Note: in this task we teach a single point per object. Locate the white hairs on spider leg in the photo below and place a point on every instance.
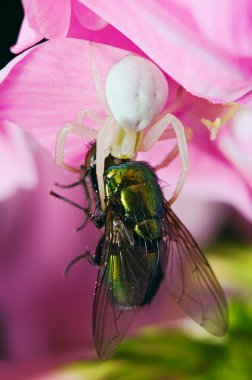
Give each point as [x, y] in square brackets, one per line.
[136, 92]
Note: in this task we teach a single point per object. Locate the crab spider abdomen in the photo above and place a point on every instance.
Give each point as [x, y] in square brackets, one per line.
[136, 92]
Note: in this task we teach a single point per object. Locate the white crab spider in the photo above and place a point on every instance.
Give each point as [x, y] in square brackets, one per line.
[136, 92]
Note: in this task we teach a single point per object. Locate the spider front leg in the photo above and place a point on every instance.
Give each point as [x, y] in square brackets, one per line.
[76, 129]
[91, 115]
[97, 79]
[182, 135]
[104, 143]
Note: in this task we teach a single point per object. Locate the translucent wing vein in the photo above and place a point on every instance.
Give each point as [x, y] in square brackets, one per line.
[190, 279]
[120, 289]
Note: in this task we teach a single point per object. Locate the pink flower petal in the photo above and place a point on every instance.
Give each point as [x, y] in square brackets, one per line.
[27, 37]
[86, 17]
[224, 24]
[166, 32]
[65, 18]
[17, 167]
[107, 35]
[235, 143]
[213, 178]
[203, 219]
[44, 314]
[49, 19]
[246, 100]
[84, 24]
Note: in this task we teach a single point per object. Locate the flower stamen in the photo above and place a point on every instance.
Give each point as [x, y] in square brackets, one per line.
[214, 126]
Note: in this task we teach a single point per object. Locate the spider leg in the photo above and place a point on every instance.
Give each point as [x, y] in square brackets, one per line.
[97, 80]
[91, 115]
[104, 142]
[178, 102]
[175, 151]
[154, 134]
[79, 130]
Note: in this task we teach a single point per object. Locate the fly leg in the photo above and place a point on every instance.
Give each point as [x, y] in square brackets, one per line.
[94, 259]
[88, 196]
[86, 255]
[82, 181]
[68, 186]
[98, 220]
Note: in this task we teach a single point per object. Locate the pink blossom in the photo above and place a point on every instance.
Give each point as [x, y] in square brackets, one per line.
[17, 168]
[235, 144]
[207, 52]
[44, 19]
[42, 314]
[49, 84]
[45, 87]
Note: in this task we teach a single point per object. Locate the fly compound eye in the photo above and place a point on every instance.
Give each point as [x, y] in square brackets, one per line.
[136, 92]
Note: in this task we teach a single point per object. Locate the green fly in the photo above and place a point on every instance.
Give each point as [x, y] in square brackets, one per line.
[143, 244]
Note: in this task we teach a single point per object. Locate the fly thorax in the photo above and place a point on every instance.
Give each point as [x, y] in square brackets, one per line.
[125, 143]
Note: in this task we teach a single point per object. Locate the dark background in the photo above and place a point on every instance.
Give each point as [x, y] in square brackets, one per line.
[11, 16]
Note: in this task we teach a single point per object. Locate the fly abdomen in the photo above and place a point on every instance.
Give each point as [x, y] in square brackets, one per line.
[155, 277]
[149, 229]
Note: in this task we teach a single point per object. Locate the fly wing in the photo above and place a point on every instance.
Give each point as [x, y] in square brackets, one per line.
[190, 279]
[120, 288]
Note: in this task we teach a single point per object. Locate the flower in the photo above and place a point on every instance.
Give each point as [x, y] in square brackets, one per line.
[17, 168]
[44, 19]
[235, 143]
[42, 314]
[203, 46]
[45, 87]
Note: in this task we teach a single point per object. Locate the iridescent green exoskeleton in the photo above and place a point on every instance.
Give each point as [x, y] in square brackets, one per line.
[143, 244]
